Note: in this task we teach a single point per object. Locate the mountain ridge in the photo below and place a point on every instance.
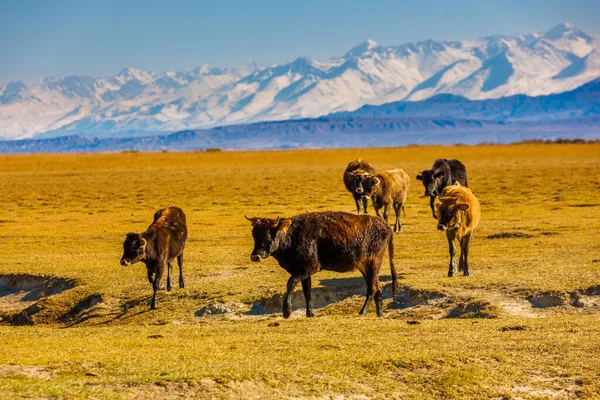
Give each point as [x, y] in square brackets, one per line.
[137, 102]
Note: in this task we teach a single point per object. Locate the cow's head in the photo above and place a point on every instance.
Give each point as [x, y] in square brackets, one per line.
[450, 212]
[433, 181]
[363, 182]
[267, 234]
[370, 184]
[134, 249]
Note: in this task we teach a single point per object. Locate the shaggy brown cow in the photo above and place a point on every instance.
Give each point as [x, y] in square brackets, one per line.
[157, 246]
[386, 188]
[458, 214]
[334, 241]
[352, 177]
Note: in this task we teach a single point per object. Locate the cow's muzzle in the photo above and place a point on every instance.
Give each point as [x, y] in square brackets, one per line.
[359, 190]
[442, 227]
[125, 262]
[255, 257]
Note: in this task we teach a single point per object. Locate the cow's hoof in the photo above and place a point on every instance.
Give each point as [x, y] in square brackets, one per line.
[153, 306]
[181, 284]
[310, 313]
[169, 288]
[466, 273]
[450, 274]
[287, 312]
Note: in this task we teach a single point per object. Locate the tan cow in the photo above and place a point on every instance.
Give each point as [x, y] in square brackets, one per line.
[386, 189]
[458, 214]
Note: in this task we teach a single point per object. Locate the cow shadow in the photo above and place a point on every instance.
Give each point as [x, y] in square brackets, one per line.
[325, 293]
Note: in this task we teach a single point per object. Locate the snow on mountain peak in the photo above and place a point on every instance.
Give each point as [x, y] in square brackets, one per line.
[365, 47]
[568, 31]
[128, 74]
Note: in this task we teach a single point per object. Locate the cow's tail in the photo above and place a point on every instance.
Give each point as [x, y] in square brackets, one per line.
[393, 268]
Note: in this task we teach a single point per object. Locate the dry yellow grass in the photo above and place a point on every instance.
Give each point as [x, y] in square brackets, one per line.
[66, 216]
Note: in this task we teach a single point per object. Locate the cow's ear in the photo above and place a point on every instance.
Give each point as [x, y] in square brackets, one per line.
[284, 225]
[457, 183]
[420, 176]
[253, 220]
[439, 174]
[376, 181]
[462, 206]
[275, 224]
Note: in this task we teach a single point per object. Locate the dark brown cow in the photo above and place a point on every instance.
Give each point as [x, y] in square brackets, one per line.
[443, 173]
[386, 188]
[351, 177]
[458, 213]
[157, 246]
[334, 241]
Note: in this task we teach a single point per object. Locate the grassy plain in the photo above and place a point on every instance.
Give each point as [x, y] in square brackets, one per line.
[524, 325]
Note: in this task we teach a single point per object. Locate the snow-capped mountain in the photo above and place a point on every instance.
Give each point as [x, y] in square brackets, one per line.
[136, 102]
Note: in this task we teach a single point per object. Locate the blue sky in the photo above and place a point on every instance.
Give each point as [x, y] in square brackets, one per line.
[99, 38]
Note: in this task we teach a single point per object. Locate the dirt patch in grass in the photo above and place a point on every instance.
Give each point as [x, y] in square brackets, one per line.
[19, 291]
[478, 308]
[222, 308]
[549, 299]
[510, 235]
[26, 371]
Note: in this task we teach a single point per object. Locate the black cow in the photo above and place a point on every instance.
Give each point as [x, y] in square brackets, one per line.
[334, 241]
[443, 173]
[156, 247]
[352, 177]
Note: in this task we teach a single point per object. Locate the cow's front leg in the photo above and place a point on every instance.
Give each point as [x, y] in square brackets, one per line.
[287, 298]
[464, 253]
[306, 286]
[452, 251]
[386, 212]
[377, 210]
[431, 204]
[169, 272]
[159, 271]
[150, 275]
[365, 200]
[180, 262]
[357, 201]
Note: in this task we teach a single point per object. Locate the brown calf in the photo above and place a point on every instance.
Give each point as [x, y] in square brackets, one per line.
[458, 214]
[386, 188]
[157, 246]
[352, 176]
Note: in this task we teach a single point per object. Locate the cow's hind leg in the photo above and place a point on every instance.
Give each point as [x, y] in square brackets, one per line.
[306, 286]
[398, 224]
[464, 253]
[180, 263]
[365, 200]
[452, 251]
[169, 273]
[373, 288]
[431, 205]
